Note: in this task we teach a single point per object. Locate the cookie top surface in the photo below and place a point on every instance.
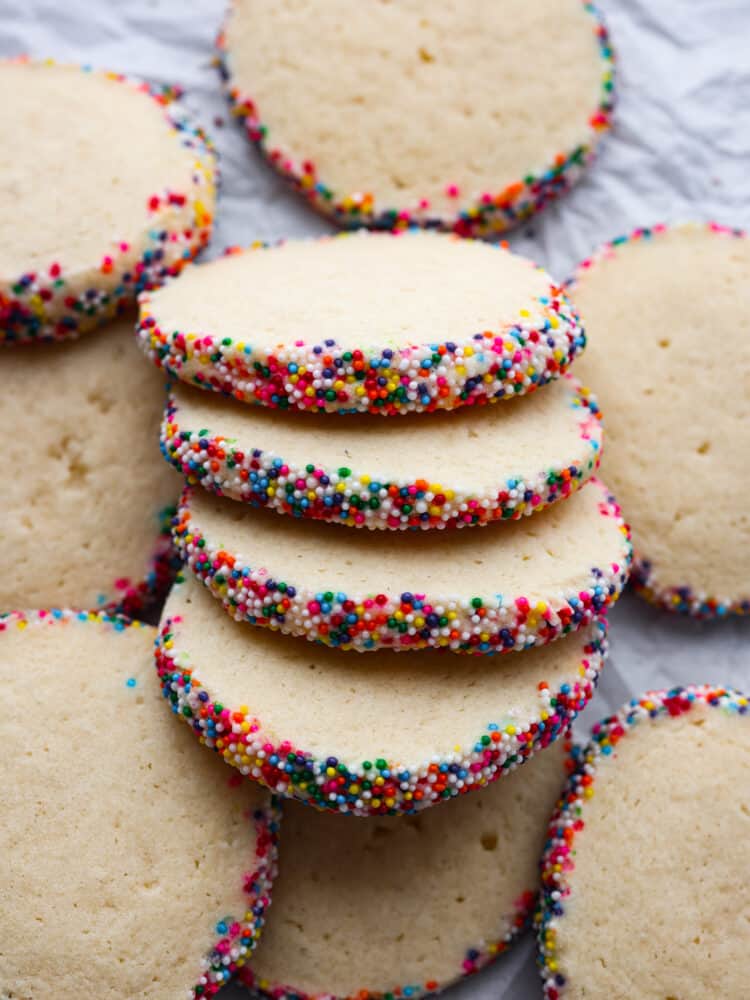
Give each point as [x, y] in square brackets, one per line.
[372, 730]
[371, 321]
[114, 818]
[451, 469]
[647, 798]
[139, 199]
[85, 502]
[389, 904]
[678, 412]
[494, 589]
[384, 114]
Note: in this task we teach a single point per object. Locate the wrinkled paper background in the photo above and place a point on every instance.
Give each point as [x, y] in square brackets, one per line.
[680, 150]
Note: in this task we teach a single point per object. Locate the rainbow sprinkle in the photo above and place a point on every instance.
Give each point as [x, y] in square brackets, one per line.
[358, 499]
[134, 598]
[558, 860]
[479, 214]
[237, 938]
[378, 786]
[56, 303]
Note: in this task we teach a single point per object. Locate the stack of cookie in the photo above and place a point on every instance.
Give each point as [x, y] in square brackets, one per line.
[372, 720]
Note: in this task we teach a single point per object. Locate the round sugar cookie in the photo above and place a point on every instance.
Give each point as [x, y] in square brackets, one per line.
[369, 322]
[108, 189]
[134, 865]
[678, 429]
[385, 115]
[393, 735]
[449, 470]
[403, 906]
[644, 876]
[499, 588]
[87, 498]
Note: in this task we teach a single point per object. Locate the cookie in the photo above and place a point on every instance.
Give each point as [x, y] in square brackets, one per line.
[109, 189]
[403, 906]
[678, 427]
[371, 322]
[86, 498]
[157, 859]
[389, 734]
[502, 588]
[644, 875]
[449, 471]
[386, 115]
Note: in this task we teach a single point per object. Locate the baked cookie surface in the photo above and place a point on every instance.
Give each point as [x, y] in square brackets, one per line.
[368, 322]
[678, 427]
[86, 509]
[381, 734]
[405, 905]
[495, 589]
[387, 114]
[134, 865]
[644, 876]
[449, 470]
[108, 189]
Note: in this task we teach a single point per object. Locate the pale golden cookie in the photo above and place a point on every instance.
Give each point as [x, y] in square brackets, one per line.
[134, 863]
[386, 733]
[107, 189]
[464, 114]
[644, 877]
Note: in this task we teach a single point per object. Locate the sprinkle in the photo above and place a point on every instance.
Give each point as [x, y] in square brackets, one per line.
[135, 598]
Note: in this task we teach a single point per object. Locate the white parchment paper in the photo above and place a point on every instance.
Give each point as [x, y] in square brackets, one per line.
[680, 150]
